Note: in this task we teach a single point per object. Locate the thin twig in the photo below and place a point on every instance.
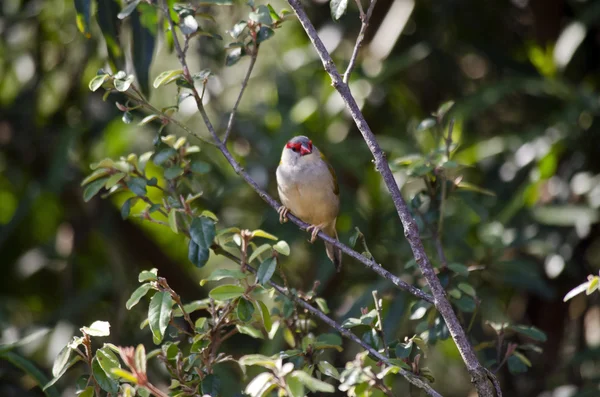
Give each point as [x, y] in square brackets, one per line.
[412, 378]
[380, 321]
[239, 98]
[447, 144]
[361, 36]
[478, 373]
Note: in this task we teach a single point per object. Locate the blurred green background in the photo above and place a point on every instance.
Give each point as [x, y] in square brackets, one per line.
[524, 75]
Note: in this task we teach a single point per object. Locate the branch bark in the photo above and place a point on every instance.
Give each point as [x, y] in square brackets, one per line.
[361, 36]
[478, 373]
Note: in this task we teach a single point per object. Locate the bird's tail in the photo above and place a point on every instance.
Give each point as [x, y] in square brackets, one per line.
[334, 253]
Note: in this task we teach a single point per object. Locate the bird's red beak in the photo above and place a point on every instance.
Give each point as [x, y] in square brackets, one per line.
[306, 148]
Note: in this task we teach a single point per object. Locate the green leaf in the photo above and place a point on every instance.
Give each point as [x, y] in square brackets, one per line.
[234, 56]
[142, 48]
[202, 75]
[465, 303]
[282, 247]
[123, 85]
[459, 268]
[107, 360]
[249, 330]
[167, 77]
[322, 303]
[238, 29]
[261, 15]
[148, 275]
[163, 156]
[202, 231]
[99, 173]
[200, 167]
[106, 383]
[403, 350]
[266, 316]
[263, 234]
[114, 179]
[313, 384]
[529, 331]
[140, 358]
[274, 16]
[444, 108]
[211, 385]
[592, 286]
[138, 294]
[126, 375]
[126, 208]
[264, 34]
[87, 392]
[258, 359]
[473, 188]
[426, 124]
[127, 117]
[296, 388]
[61, 361]
[137, 186]
[327, 369]
[93, 188]
[61, 373]
[128, 9]
[98, 328]
[467, 289]
[107, 17]
[173, 172]
[83, 8]
[338, 8]
[197, 255]
[265, 270]
[516, 366]
[351, 323]
[220, 274]
[97, 81]
[159, 315]
[258, 251]
[226, 292]
[245, 310]
[173, 221]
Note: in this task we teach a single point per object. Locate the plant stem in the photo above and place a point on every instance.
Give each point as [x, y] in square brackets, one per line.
[361, 36]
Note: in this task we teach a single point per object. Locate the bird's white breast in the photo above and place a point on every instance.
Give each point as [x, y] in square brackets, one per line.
[308, 191]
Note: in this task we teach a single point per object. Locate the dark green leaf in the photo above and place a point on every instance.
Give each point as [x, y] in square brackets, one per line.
[465, 304]
[338, 8]
[266, 270]
[173, 172]
[128, 9]
[264, 34]
[127, 117]
[245, 310]
[403, 349]
[516, 366]
[142, 49]
[93, 188]
[529, 331]
[138, 294]
[234, 56]
[107, 384]
[126, 208]
[211, 385]
[200, 167]
[164, 155]
[159, 315]
[202, 232]
[197, 255]
[107, 17]
[459, 269]
[83, 8]
[137, 186]
[202, 75]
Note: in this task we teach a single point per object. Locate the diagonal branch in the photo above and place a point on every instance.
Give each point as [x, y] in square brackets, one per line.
[239, 98]
[397, 281]
[411, 377]
[479, 376]
[361, 36]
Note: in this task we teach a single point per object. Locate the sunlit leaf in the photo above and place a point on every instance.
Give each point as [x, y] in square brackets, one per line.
[159, 314]
[226, 292]
[338, 8]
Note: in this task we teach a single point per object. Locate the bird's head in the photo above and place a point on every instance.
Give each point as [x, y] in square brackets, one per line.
[299, 150]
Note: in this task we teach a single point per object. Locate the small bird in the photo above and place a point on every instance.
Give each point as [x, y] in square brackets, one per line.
[308, 188]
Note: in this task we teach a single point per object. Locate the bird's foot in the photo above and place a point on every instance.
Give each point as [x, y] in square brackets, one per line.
[314, 230]
[283, 213]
